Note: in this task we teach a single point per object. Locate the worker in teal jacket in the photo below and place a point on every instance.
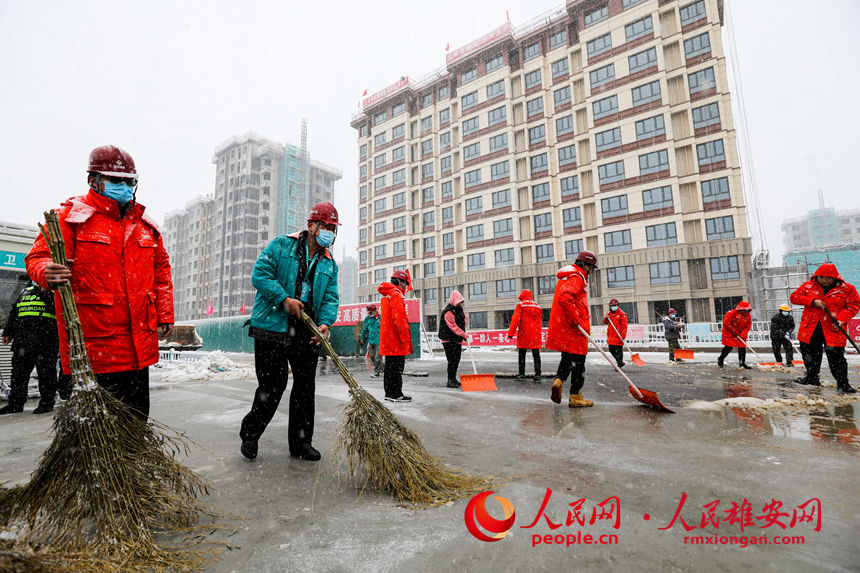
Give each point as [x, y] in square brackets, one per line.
[293, 273]
[370, 335]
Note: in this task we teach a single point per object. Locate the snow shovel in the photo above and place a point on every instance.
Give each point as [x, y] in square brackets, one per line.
[633, 357]
[684, 354]
[796, 362]
[476, 382]
[757, 355]
[648, 397]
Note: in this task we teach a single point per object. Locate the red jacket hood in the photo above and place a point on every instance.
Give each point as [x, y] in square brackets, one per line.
[388, 289]
[526, 295]
[455, 298]
[743, 305]
[565, 272]
[827, 270]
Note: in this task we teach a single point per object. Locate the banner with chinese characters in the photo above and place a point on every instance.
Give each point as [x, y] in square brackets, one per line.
[853, 329]
[350, 314]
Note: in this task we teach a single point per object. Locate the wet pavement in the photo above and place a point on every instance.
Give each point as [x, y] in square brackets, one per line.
[299, 517]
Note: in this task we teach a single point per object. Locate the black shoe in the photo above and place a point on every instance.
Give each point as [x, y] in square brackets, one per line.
[375, 375]
[847, 389]
[306, 452]
[745, 366]
[453, 384]
[249, 449]
[43, 408]
[536, 379]
[521, 377]
[10, 410]
[806, 381]
[402, 398]
[622, 365]
[720, 362]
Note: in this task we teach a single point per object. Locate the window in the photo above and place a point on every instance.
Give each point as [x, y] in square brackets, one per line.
[534, 107]
[617, 241]
[651, 127]
[533, 79]
[398, 176]
[398, 200]
[472, 151]
[498, 143]
[379, 183]
[654, 162]
[665, 273]
[532, 51]
[561, 96]
[558, 39]
[472, 178]
[560, 68]
[362, 172]
[546, 284]
[495, 62]
[474, 233]
[363, 151]
[429, 270]
[502, 228]
[504, 257]
[362, 214]
[447, 241]
[693, 12]
[362, 192]
[399, 248]
[659, 198]
[715, 190]
[426, 171]
[379, 252]
[445, 140]
[362, 237]
[570, 185]
[500, 170]
[478, 319]
[697, 46]
[501, 198]
[427, 123]
[646, 93]
[445, 164]
[701, 81]
[567, 155]
[468, 75]
[476, 290]
[540, 192]
[471, 125]
[614, 206]
[426, 147]
[537, 134]
[379, 229]
[506, 287]
[429, 244]
[625, 4]
[638, 28]
[538, 163]
[468, 101]
[379, 206]
[543, 222]
[425, 100]
[398, 154]
[363, 131]
[379, 118]
[599, 45]
[430, 296]
[642, 60]
[572, 248]
[498, 115]
[710, 152]
[447, 214]
[445, 116]
[662, 234]
[544, 253]
[608, 139]
[618, 277]
[427, 195]
[362, 255]
[447, 189]
[724, 268]
[474, 205]
[706, 115]
[720, 228]
[443, 92]
[398, 131]
[398, 109]
[399, 224]
[379, 275]
[605, 106]
[610, 172]
[475, 262]
[572, 217]
[496, 89]
[564, 125]
[596, 16]
[602, 75]
[448, 269]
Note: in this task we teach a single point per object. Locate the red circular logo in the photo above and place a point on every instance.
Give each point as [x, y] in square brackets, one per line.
[477, 515]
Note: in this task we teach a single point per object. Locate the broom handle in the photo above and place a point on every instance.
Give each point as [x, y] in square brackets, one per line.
[341, 367]
[608, 359]
[748, 347]
[621, 337]
[842, 330]
[471, 356]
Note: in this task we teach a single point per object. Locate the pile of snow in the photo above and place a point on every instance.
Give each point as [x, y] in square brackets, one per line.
[800, 402]
[212, 366]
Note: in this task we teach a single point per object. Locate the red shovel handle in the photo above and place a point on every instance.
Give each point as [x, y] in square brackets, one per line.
[608, 359]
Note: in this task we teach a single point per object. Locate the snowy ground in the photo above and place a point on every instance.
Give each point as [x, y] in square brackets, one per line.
[737, 435]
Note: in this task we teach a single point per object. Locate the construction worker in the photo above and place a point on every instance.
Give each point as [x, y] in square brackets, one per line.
[672, 329]
[828, 304]
[370, 336]
[452, 333]
[32, 330]
[294, 273]
[736, 325]
[781, 327]
[120, 276]
[569, 312]
[615, 336]
[395, 339]
[526, 326]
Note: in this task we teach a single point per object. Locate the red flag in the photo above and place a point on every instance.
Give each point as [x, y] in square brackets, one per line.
[409, 278]
[365, 93]
[447, 46]
[507, 16]
[242, 310]
[210, 310]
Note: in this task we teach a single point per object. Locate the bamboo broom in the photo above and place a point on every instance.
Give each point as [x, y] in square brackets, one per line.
[391, 457]
[109, 482]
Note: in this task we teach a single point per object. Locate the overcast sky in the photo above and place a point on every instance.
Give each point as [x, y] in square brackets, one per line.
[168, 81]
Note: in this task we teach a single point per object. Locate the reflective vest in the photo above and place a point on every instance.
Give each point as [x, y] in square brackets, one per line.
[31, 304]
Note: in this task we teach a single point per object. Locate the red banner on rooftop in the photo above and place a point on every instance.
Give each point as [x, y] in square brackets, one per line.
[474, 45]
[372, 99]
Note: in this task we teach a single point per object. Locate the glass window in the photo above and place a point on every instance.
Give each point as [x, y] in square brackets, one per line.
[362, 256]
[447, 214]
[710, 152]
[445, 164]
[472, 151]
[398, 176]
[398, 109]
[608, 139]
[362, 237]
[499, 170]
[362, 171]
[533, 79]
[363, 131]
[447, 189]
[572, 248]
[379, 252]
[474, 233]
[426, 171]
[502, 228]
[611, 172]
[646, 93]
[724, 268]
[570, 185]
[701, 81]
[639, 28]
[379, 206]
[398, 131]
[426, 146]
[379, 118]
[478, 319]
[471, 125]
[605, 106]
[474, 205]
[540, 192]
[715, 190]
[379, 275]
[534, 107]
[567, 155]
[596, 16]
[379, 139]
[504, 257]
[398, 153]
[558, 39]
[720, 228]
[537, 134]
[546, 284]
[468, 101]
[618, 277]
[506, 287]
[544, 253]
[706, 115]
[363, 151]
[443, 92]
[496, 89]
[468, 75]
[495, 62]
[501, 198]
[651, 127]
[498, 115]
[427, 123]
[614, 206]
[498, 142]
[362, 192]
[561, 96]
[665, 273]
[399, 248]
[531, 52]
[642, 60]
[560, 68]
[430, 295]
[379, 183]
[697, 45]
[445, 140]
[399, 224]
[654, 162]
[602, 75]
[379, 229]
[543, 222]
[448, 269]
[429, 244]
[539, 163]
[659, 198]
[447, 241]
[693, 12]
[662, 234]
[477, 291]
[398, 199]
[599, 45]
[445, 116]
[472, 178]
[475, 261]
[572, 217]
[427, 195]
[564, 125]
[617, 241]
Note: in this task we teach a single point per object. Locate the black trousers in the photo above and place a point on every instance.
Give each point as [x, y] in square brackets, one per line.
[272, 361]
[779, 343]
[742, 353]
[393, 377]
[522, 360]
[617, 353]
[572, 365]
[812, 355]
[130, 387]
[453, 352]
[24, 359]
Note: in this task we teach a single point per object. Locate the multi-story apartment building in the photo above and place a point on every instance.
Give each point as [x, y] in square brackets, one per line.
[606, 126]
[819, 228]
[262, 189]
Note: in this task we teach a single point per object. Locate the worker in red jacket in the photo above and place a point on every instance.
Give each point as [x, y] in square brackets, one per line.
[736, 326]
[120, 276]
[615, 337]
[825, 291]
[526, 326]
[569, 311]
[395, 339]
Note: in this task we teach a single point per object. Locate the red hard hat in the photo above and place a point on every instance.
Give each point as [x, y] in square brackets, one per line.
[614, 301]
[401, 275]
[324, 212]
[671, 310]
[112, 161]
[587, 257]
[371, 307]
[744, 305]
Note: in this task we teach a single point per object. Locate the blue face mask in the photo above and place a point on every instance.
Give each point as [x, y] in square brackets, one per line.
[122, 193]
[784, 313]
[613, 308]
[325, 238]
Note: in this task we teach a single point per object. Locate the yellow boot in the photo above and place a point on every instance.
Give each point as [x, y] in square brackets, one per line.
[577, 401]
[555, 394]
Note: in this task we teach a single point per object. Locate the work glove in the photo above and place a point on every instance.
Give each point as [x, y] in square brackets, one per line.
[787, 336]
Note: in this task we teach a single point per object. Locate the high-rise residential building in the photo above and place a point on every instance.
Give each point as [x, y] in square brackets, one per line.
[820, 228]
[347, 279]
[604, 126]
[262, 189]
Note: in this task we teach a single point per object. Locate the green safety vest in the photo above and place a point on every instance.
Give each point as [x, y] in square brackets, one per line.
[33, 305]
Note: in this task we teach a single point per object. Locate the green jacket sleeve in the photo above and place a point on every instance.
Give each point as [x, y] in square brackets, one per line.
[265, 274]
[330, 300]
